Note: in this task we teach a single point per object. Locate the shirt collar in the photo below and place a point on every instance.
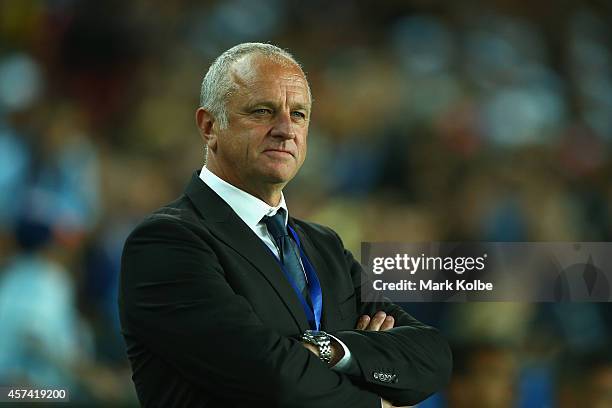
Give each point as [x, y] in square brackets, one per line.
[249, 208]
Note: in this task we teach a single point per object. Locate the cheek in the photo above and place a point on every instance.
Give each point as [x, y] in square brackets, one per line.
[303, 142]
[303, 148]
[254, 137]
[238, 145]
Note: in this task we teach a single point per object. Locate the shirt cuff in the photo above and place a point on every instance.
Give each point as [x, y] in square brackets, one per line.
[347, 363]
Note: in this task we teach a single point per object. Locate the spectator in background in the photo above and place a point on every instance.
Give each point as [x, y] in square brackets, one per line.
[41, 334]
[485, 375]
[585, 380]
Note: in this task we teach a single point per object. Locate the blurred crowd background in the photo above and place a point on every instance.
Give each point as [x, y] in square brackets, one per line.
[432, 121]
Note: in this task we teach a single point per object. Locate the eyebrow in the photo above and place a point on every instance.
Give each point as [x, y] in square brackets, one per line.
[270, 104]
[301, 106]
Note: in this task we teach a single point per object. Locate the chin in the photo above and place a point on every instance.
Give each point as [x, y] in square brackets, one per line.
[278, 179]
[278, 176]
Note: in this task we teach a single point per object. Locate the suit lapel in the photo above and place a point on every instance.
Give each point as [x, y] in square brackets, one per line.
[229, 228]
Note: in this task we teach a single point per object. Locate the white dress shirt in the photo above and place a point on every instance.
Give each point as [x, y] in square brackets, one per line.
[251, 210]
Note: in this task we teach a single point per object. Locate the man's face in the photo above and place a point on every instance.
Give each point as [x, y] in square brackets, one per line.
[269, 112]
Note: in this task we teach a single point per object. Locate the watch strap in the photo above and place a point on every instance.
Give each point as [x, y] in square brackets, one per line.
[323, 342]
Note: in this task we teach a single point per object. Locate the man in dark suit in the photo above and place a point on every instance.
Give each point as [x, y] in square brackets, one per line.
[226, 300]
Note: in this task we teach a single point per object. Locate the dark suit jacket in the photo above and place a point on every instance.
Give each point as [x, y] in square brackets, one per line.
[210, 321]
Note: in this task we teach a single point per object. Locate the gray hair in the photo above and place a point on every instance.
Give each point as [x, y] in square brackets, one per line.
[217, 84]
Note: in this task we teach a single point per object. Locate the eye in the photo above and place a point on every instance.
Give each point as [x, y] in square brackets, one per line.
[262, 111]
[298, 114]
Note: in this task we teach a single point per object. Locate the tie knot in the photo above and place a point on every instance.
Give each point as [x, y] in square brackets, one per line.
[276, 224]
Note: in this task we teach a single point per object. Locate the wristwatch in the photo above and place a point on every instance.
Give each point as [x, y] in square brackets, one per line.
[322, 341]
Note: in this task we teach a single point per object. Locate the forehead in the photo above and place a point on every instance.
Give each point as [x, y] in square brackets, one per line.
[261, 77]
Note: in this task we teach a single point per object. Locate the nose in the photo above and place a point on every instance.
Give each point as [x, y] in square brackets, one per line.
[283, 126]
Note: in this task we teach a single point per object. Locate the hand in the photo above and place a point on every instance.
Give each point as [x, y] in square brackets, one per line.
[380, 322]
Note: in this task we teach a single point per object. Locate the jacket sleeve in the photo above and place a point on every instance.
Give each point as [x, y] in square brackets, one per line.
[404, 365]
[175, 300]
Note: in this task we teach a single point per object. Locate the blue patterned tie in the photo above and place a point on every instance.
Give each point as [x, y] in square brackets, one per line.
[287, 248]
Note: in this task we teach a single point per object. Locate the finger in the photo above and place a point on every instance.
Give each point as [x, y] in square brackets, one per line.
[387, 323]
[362, 323]
[376, 321]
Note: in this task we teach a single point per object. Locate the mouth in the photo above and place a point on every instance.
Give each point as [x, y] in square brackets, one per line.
[279, 152]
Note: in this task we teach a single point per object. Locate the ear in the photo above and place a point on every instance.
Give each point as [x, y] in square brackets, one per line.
[205, 121]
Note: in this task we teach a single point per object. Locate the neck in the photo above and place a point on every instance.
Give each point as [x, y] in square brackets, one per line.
[267, 192]
[270, 197]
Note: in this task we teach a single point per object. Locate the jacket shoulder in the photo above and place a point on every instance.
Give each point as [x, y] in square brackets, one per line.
[179, 213]
[317, 231]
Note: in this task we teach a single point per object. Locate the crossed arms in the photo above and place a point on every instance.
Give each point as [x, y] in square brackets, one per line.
[379, 322]
[178, 300]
